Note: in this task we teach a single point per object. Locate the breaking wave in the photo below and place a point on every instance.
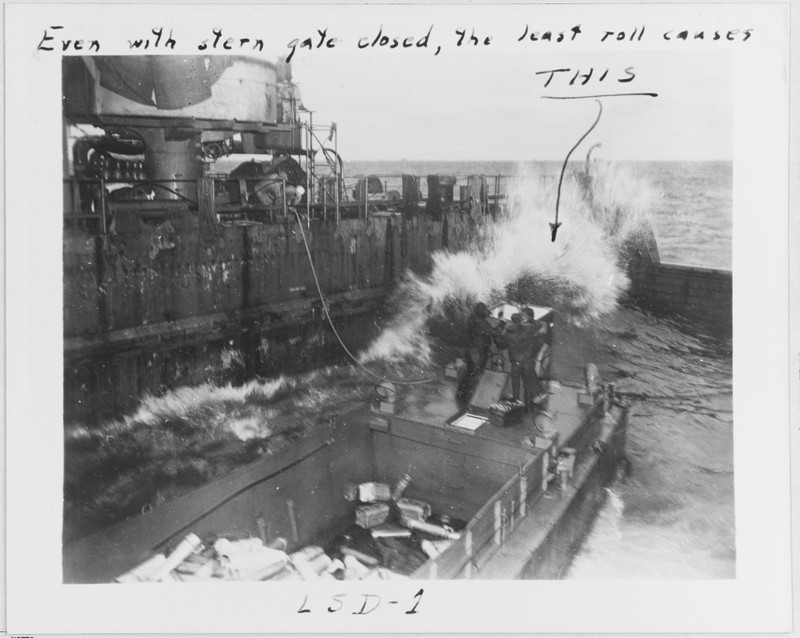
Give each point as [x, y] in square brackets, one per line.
[190, 436]
[581, 274]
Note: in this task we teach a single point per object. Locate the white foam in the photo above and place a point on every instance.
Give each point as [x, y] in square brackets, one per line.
[578, 274]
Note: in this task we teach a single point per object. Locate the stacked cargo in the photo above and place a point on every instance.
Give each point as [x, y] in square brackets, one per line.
[247, 559]
[250, 560]
[403, 532]
[506, 412]
[392, 536]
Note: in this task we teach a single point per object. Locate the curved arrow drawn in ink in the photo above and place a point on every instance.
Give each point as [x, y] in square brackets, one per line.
[556, 224]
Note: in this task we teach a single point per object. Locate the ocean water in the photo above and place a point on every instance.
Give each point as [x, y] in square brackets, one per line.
[674, 516]
[693, 219]
[691, 212]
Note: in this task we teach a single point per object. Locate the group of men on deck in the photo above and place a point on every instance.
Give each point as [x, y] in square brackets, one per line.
[523, 338]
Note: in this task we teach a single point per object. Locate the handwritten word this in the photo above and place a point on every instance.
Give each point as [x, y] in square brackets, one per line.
[317, 41]
[381, 40]
[585, 76]
[360, 604]
[550, 36]
[64, 44]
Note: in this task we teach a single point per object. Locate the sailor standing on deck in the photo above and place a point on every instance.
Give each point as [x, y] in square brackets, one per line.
[517, 338]
[538, 343]
[521, 340]
[479, 338]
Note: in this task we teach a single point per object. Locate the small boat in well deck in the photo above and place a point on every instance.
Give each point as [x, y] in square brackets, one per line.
[526, 490]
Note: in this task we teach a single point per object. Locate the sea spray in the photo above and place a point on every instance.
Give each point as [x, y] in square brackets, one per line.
[580, 274]
[190, 436]
[621, 204]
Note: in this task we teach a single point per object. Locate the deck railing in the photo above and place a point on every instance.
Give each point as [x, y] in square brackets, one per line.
[95, 202]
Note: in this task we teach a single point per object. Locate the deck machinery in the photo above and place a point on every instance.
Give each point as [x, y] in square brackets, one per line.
[184, 181]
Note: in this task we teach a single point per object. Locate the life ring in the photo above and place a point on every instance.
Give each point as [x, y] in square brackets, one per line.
[541, 361]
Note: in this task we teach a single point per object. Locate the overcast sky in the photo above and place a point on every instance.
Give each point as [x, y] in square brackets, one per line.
[485, 102]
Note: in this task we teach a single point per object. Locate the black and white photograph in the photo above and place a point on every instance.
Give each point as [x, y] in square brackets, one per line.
[399, 318]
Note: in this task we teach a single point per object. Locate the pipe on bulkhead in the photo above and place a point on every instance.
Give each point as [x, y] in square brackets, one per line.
[173, 159]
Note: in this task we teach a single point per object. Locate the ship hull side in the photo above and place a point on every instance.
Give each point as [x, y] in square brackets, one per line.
[156, 307]
[546, 541]
[704, 296]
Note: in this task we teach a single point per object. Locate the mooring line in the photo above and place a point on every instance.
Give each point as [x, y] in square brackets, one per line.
[333, 327]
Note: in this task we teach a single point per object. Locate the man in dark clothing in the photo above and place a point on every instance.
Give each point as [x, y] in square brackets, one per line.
[527, 314]
[479, 337]
[517, 338]
[521, 340]
[541, 328]
[539, 341]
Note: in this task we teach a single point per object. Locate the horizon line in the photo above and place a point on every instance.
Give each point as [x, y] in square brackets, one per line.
[558, 160]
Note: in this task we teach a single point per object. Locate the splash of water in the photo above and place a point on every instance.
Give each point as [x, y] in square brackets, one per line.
[630, 547]
[188, 437]
[580, 274]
